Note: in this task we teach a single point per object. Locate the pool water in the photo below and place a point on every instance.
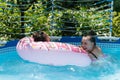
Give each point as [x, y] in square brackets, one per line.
[12, 67]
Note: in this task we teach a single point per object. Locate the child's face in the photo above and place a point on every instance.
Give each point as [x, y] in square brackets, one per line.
[87, 44]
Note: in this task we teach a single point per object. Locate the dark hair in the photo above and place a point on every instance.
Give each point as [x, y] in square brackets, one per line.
[92, 35]
[40, 36]
[93, 39]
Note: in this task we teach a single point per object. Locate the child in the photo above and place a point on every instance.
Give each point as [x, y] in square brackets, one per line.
[40, 36]
[88, 43]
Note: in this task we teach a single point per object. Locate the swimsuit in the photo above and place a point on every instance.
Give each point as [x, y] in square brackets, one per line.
[93, 54]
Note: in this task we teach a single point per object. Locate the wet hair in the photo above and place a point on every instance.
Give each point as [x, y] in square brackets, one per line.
[92, 36]
[40, 36]
[92, 33]
[92, 39]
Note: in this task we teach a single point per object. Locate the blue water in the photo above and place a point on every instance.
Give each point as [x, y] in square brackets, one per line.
[12, 67]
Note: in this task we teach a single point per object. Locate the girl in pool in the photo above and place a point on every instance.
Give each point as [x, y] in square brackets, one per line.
[88, 43]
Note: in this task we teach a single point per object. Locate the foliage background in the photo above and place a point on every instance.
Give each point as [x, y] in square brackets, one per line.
[19, 18]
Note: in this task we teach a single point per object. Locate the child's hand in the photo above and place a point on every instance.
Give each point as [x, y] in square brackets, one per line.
[82, 50]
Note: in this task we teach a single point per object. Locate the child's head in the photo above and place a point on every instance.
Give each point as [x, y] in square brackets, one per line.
[88, 41]
[41, 36]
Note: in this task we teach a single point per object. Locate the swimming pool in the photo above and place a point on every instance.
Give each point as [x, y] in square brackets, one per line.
[12, 67]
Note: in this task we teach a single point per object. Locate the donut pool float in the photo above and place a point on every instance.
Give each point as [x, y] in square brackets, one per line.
[52, 53]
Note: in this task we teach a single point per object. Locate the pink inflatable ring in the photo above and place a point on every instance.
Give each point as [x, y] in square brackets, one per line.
[52, 53]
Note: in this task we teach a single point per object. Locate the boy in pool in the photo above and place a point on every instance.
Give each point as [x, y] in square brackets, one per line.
[88, 43]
